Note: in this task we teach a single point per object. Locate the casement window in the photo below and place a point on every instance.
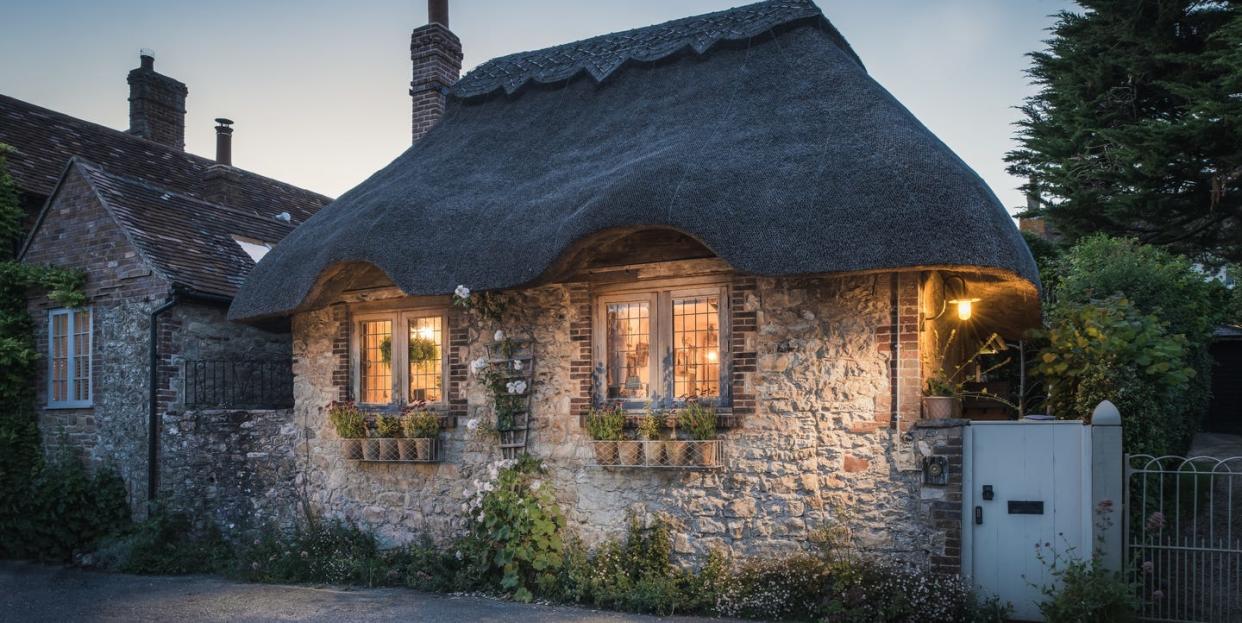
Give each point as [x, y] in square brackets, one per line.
[69, 358]
[662, 345]
[400, 357]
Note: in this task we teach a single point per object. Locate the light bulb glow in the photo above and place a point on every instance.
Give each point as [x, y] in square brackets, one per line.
[712, 356]
[963, 310]
[426, 333]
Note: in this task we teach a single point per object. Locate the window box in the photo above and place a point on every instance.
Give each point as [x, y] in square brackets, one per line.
[662, 453]
[377, 450]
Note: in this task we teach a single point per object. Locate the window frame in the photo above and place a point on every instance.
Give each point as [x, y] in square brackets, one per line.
[71, 358]
[661, 294]
[400, 369]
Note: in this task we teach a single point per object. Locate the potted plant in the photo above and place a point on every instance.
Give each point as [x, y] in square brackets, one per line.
[699, 422]
[649, 431]
[605, 426]
[371, 446]
[350, 426]
[388, 427]
[942, 397]
[420, 349]
[421, 428]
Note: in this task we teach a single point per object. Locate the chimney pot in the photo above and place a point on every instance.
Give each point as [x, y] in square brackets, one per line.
[437, 12]
[224, 141]
[147, 56]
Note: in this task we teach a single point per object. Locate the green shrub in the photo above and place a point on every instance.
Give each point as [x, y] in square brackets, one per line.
[424, 566]
[1109, 349]
[321, 553]
[517, 530]
[777, 589]
[167, 544]
[882, 590]
[388, 426]
[64, 509]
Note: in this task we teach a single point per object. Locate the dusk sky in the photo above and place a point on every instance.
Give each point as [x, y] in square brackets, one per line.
[319, 88]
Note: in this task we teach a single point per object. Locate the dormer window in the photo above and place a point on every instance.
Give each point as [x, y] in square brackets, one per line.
[256, 249]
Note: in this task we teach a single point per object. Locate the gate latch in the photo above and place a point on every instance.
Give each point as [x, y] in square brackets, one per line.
[978, 515]
[987, 492]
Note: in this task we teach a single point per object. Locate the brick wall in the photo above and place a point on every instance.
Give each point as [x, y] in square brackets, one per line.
[77, 232]
[157, 107]
[899, 339]
[436, 53]
[744, 327]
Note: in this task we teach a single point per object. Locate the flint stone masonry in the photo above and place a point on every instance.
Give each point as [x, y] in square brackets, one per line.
[813, 449]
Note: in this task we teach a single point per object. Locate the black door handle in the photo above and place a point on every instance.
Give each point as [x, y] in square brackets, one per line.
[978, 515]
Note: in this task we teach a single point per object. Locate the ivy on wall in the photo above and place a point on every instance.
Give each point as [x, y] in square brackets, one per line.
[48, 509]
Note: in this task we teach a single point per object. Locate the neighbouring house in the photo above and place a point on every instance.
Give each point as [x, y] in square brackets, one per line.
[725, 206]
[165, 238]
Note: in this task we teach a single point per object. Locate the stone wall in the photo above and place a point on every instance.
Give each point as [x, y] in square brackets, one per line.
[815, 445]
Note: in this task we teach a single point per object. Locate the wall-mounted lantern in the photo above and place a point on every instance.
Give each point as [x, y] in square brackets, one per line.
[963, 303]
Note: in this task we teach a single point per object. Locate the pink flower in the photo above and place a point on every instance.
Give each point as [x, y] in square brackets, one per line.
[1155, 521]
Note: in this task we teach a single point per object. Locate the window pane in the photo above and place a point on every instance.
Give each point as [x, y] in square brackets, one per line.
[81, 355]
[696, 347]
[60, 357]
[426, 377]
[376, 373]
[628, 351]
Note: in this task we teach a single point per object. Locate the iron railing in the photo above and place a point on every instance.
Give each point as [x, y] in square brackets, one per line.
[237, 384]
[1184, 536]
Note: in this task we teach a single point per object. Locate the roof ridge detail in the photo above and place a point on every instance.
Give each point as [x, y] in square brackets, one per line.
[602, 55]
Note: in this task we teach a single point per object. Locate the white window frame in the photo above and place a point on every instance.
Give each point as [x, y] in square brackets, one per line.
[400, 365]
[71, 352]
[660, 295]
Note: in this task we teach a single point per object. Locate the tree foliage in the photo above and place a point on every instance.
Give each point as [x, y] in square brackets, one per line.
[1137, 128]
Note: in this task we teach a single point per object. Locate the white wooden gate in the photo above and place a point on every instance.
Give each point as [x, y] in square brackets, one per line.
[1025, 484]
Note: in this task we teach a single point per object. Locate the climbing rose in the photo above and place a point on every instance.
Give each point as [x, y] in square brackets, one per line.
[499, 336]
[462, 292]
[472, 424]
[478, 365]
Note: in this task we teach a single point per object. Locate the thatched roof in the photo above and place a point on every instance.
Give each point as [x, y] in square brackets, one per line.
[756, 130]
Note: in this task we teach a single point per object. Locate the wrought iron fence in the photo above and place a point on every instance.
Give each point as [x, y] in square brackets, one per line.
[1184, 536]
[237, 384]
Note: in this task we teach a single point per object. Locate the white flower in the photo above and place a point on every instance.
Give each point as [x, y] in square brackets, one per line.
[478, 365]
[534, 485]
[458, 555]
[499, 336]
[516, 387]
[462, 292]
[517, 364]
[472, 424]
[465, 508]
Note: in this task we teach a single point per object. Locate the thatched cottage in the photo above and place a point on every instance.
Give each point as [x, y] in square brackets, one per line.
[724, 207]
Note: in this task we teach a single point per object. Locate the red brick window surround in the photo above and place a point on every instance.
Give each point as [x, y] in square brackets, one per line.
[70, 344]
[662, 342]
[380, 349]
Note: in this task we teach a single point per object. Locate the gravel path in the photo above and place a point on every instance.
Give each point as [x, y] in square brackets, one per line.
[32, 593]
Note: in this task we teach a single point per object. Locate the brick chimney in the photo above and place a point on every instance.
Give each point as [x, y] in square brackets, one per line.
[436, 53]
[156, 104]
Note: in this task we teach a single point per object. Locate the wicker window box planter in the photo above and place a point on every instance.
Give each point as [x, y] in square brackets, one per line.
[372, 450]
[662, 454]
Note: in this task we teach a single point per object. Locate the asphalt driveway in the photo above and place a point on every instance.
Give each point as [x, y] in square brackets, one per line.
[35, 593]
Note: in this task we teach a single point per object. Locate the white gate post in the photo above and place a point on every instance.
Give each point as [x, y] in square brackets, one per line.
[1107, 482]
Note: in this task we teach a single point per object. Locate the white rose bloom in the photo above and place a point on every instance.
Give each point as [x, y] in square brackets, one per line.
[472, 424]
[458, 555]
[499, 336]
[516, 387]
[517, 365]
[478, 365]
[462, 292]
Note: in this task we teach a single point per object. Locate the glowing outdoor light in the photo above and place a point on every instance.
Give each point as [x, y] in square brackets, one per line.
[964, 307]
[712, 356]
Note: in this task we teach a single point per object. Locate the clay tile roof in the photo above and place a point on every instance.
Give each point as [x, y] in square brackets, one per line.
[44, 141]
[187, 240]
[755, 131]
